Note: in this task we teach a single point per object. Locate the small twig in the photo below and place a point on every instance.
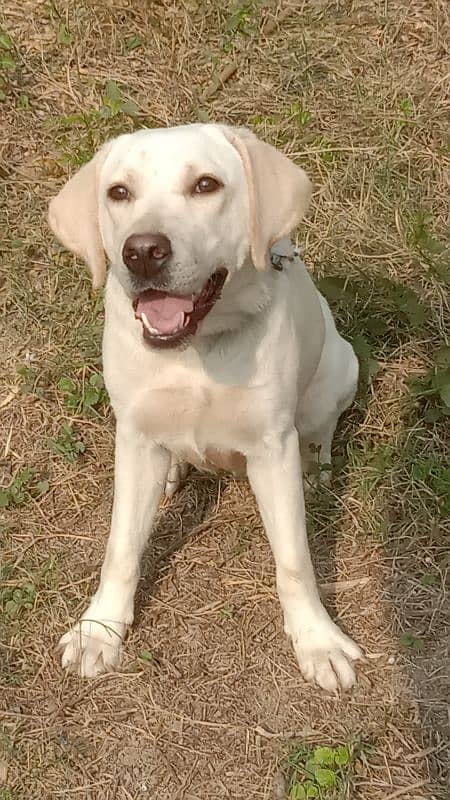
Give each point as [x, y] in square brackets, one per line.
[406, 789]
[220, 79]
[46, 538]
[266, 734]
[425, 752]
[228, 71]
[8, 441]
[8, 398]
[270, 24]
[332, 586]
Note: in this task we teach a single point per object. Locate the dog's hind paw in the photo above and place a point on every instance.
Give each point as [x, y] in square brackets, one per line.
[175, 478]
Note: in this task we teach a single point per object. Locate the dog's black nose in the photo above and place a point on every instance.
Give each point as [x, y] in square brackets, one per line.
[145, 254]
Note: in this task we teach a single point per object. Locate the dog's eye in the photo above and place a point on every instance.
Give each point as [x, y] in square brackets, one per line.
[118, 193]
[206, 184]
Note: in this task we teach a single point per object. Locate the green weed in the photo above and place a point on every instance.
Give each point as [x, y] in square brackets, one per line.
[85, 397]
[327, 150]
[432, 388]
[226, 613]
[412, 642]
[64, 36]
[6, 42]
[298, 114]
[23, 102]
[114, 103]
[29, 378]
[322, 772]
[393, 307]
[368, 365]
[429, 579]
[6, 743]
[372, 465]
[67, 444]
[20, 597]
[406, 112]
[33, 381]
[146, 656]
[239, 20]
[421, 235]
[436, 476]
[295, 114]
[7, 60]
[375, 315]
[15, 601]
[239, 549]
[78, 136]
[133, 43]
[22, 488]
[433, 251]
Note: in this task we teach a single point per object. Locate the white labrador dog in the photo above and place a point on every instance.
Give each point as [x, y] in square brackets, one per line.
[211, 356]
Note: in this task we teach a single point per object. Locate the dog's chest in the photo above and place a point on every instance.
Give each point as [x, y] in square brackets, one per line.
[200, 420]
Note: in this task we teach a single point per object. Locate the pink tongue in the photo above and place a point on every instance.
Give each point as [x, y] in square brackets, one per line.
[164, 312]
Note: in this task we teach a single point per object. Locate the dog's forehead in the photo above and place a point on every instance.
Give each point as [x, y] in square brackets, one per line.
[166, 151]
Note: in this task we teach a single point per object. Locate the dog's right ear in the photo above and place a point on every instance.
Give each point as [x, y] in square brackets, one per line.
[73, 217]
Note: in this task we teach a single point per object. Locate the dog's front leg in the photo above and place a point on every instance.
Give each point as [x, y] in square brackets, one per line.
[93, 645]
[324, 653]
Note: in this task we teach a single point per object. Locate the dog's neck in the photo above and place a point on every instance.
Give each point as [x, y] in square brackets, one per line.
[245, 294]
[248, 292]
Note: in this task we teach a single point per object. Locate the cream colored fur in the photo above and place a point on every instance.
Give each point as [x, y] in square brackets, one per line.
[266, 376]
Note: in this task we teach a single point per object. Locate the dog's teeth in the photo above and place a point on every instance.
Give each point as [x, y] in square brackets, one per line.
[147, 324]
[145, 321]
[180, 325]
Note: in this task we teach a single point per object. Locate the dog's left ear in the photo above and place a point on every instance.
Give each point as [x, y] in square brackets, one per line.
[279, 191]
[73, 217]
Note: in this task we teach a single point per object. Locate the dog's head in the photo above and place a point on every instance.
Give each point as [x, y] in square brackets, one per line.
[177, 212]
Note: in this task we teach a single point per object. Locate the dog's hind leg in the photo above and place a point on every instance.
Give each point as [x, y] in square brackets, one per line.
[330, 393]
[316, 454]
[176, 476]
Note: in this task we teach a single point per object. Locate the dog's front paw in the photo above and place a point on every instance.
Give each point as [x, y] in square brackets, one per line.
[324, 653]
[92, 646]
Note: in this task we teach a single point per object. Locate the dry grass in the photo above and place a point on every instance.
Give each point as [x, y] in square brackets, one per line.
[209, 700]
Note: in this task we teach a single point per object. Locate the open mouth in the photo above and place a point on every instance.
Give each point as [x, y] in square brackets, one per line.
[167, 319]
